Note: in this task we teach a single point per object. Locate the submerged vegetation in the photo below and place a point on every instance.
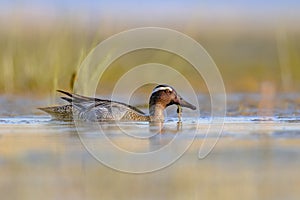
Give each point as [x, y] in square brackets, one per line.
[35, 58]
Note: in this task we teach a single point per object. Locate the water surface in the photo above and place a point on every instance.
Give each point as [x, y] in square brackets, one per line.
[256, 157]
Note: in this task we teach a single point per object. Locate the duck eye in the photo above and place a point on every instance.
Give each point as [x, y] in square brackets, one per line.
[168, 91]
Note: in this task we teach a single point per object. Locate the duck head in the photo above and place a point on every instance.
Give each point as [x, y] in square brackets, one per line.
[163, 96]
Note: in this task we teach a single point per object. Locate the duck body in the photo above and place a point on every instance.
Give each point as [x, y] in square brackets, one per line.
[95, 109]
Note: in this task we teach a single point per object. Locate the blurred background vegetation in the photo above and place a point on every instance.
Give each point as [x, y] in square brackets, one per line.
[42, 43]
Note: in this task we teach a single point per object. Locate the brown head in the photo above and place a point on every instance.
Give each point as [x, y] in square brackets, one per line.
[163, 96]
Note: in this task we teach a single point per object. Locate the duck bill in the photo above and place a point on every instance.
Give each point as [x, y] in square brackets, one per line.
[186, 104]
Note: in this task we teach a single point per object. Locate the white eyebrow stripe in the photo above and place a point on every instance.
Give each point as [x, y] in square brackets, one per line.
[162, 88]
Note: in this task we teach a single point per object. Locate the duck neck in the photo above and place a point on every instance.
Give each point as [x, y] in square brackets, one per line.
[156, 112]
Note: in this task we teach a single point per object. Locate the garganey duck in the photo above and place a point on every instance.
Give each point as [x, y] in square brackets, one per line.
[94, 109]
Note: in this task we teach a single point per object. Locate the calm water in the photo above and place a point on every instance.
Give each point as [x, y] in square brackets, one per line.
[256, 157]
